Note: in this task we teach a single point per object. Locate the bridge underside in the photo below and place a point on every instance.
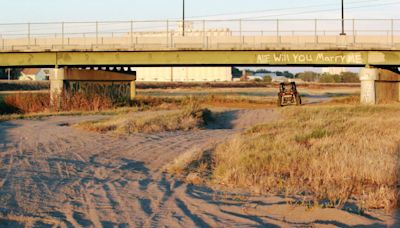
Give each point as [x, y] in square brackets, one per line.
[203, 58]
[378, 85]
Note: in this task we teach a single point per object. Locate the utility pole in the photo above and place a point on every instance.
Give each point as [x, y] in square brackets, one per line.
[343, 33]
[183, 19]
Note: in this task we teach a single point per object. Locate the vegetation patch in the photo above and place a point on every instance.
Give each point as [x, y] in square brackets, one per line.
[191, 116]
[326, 154]
[27, 103]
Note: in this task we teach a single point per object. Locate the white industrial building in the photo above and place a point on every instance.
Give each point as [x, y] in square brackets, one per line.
[183, 74]
[333, 70]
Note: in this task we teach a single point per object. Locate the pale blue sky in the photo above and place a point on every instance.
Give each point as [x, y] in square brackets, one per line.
[98, 10]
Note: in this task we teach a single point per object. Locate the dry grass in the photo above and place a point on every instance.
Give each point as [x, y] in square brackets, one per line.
[84, 102]
[191, 116]
[27, 103]
[349, 100]
[325, 154]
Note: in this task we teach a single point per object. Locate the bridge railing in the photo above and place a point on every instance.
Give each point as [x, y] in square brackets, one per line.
[200, 34]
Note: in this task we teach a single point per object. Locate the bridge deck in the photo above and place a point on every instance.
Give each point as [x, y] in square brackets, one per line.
[212, 42]
[203, 58]
[125, 43]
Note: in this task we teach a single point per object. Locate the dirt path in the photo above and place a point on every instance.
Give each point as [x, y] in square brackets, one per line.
[53, 174]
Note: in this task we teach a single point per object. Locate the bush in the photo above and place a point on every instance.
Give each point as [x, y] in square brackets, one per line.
[267, 79]
[308, 76]
[344, 77]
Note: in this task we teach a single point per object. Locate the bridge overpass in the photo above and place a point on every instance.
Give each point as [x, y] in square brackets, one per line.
[368, 43]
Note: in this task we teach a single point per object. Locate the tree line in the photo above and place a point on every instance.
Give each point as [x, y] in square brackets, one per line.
[344, 77]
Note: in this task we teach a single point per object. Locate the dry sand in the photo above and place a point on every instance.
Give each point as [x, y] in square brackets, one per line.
[54, 174]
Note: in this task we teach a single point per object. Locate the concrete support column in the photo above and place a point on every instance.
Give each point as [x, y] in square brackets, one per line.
[57, 77]
[133, 90]
[368, 77]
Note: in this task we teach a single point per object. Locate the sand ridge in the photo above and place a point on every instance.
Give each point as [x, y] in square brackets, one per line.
[57, 175]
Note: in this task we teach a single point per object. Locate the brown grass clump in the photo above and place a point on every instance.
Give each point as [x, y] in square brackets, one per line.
[350, 100]
[326, 154]
[25, 103]
[191, 116]
[84, 102]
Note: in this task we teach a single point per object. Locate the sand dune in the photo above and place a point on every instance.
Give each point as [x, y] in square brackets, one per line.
[52, 174]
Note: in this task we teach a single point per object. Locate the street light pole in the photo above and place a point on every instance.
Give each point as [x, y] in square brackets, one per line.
[183, 19]
[343, 33]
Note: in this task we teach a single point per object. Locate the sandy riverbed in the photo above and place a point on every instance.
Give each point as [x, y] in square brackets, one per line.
[54, 174]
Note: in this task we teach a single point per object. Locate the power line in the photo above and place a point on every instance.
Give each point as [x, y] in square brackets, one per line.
[318, 11]
[277, 9]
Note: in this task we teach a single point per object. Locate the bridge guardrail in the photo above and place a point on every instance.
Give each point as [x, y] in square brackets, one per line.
[201, 34]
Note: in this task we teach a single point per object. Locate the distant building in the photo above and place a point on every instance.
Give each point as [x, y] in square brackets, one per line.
[34, 74]
[271, 74]
[183, 74]
[279, 79]
[333, 70]
[254, 77]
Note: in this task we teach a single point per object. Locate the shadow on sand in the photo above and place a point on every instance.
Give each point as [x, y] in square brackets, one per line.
[223, 120]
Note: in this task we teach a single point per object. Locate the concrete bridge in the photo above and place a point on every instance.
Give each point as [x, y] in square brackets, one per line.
[374, 44]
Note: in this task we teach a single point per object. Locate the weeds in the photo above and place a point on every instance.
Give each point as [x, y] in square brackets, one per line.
[191, 116]
[329, 154]
[27, 103]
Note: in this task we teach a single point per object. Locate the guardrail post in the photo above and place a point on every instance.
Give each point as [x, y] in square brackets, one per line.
[204, 33]
[131, 33]
[29, 34]
[240, 27]
[97, 33]
[354, 31]
[167, 33]
[316, 30]
[392, 31]
[277, 31]
[62, 35]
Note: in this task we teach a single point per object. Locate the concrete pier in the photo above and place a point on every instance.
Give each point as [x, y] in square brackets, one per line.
[379, 86]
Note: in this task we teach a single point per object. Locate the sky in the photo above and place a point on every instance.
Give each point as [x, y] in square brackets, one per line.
[14, 11]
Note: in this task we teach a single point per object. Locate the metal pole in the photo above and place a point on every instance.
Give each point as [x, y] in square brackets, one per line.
[343, 33]
[97, 33]
[277, 30]
[62, 35]
[240, 27]
[131, 33]
[167, 33]
[354, 30]
[204, 33]
[316, 30]
[9, 74]
[29, 34]
[392, 31]
[183, 19]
